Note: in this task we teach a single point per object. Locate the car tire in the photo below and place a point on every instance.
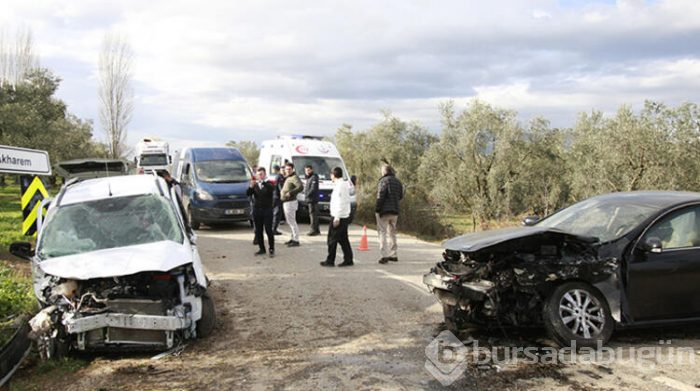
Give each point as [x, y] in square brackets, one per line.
[193, 223]
[449, 311]
[205, 325]
[578, 312]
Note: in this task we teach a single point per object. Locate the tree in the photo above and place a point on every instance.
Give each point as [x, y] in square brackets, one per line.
[400, 144]
[542, 187]
[476, 163]
[248, 149]
[115, 92]
[624, 153]
[31, 117]
[17, 57]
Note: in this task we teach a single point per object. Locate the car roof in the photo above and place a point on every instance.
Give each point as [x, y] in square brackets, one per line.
[657, 199]
[116, 186]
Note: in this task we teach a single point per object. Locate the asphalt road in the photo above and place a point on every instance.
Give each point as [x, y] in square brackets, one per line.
[288, 323]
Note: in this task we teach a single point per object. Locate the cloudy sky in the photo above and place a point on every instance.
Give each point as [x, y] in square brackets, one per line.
[213, 71]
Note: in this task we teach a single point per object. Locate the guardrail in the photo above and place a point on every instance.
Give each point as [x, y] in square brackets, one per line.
[14, 352]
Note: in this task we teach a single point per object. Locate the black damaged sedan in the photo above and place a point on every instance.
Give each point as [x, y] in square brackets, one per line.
[615, 260]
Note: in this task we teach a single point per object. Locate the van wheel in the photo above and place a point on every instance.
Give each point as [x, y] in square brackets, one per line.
[577, 312]
[205, 325]
[193, 223]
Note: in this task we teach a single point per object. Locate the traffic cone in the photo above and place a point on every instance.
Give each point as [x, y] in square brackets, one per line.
[364, 246]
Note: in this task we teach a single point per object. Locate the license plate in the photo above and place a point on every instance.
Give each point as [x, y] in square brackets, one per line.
[325, 207]
[234, 211]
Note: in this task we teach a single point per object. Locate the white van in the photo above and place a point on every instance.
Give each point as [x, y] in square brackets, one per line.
[303, 150]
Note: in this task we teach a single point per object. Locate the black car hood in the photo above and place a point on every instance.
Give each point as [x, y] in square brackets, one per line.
[481, 240]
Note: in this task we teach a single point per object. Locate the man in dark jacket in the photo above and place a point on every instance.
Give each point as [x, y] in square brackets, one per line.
[389, 194]
[262, 192]
[277, 179]
[311, 196]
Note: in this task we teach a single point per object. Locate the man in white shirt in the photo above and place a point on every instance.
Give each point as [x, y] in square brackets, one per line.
[340, 215]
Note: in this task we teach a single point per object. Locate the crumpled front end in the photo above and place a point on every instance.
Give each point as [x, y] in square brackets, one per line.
[143, 311]
[506, 283]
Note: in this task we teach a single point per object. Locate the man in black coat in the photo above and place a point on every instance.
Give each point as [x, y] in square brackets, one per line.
[311, 196]
[389, 194]
[262, 192]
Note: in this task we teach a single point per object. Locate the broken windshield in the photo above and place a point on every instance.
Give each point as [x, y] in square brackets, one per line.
[605, 220]
[108, 223]
[223, 171]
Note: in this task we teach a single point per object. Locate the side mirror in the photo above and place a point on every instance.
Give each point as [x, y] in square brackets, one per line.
[353, 179]
[531, 220]
[652, 244]
[22, 250]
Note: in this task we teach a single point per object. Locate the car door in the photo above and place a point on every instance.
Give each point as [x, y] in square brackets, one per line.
[665, 283]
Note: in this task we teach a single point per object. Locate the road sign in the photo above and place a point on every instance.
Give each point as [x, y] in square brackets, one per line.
[15, 160]
[33, 192]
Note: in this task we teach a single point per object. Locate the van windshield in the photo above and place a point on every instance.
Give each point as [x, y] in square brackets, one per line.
[222, 171]
[322, 166]
[154, 159]
[108, 223]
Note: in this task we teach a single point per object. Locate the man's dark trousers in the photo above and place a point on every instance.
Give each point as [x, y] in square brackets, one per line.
[263, 218]
[313, 216]
[276, 214]
[339, 235]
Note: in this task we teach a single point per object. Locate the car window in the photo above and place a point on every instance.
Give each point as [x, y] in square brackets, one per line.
[678, 229]
[222, 171]
[108, 223]
[604, 219]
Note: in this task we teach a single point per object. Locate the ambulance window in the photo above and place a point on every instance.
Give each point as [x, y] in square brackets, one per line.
[276, 160]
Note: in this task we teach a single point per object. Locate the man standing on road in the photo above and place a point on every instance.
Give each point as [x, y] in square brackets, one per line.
[311, 196]
[278, 180]
[340, 215]
[292, 186]
[175, 185]
[262, 192]
[389, 194]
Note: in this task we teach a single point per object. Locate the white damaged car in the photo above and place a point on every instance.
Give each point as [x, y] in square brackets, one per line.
[116, 268]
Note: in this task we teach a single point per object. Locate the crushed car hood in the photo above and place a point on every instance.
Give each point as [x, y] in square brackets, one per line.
[480, 240]
[121, 261]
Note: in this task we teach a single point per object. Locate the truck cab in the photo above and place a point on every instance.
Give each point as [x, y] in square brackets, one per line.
[152, 155]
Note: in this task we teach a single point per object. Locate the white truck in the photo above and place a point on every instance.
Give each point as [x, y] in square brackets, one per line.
[301, 150]
[152, 154]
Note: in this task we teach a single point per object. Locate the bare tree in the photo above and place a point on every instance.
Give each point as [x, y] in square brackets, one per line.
[115, 92]
[17, 56]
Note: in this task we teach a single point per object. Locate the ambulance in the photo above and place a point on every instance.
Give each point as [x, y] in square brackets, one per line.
[304, 150]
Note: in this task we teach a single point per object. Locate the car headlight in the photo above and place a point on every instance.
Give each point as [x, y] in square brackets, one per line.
[203, 195]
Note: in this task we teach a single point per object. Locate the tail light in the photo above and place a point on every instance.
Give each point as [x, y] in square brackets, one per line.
[162, 277]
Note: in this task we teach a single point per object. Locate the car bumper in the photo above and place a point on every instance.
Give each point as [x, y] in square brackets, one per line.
[126, 321]
[221, 215]
[450, 292]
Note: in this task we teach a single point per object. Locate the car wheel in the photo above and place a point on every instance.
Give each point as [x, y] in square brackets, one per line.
[578, 312]
[205, 325]
[450, 320]
[193, 223]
